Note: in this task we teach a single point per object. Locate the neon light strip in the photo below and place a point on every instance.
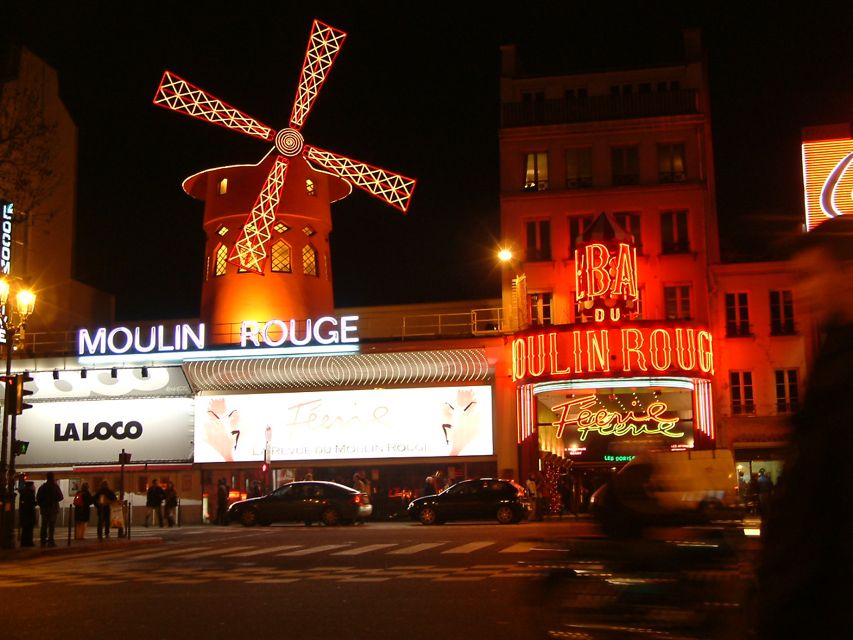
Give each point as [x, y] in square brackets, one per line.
[324, 43]
[224, 354]
[615, 383]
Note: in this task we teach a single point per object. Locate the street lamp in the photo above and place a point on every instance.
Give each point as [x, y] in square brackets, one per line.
[26, 301]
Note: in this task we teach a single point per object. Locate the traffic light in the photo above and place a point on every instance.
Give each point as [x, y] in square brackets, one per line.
[21, 447]
[264, 467]
[9, 387]
[21, 392]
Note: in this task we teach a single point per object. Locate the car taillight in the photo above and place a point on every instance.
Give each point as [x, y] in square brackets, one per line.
[360, 498]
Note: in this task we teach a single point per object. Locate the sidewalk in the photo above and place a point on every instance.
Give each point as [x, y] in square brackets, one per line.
[90, 544]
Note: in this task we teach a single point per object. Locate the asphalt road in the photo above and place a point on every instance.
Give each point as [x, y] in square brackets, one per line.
[377, 581]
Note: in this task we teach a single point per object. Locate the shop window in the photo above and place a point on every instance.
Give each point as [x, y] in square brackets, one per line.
[577, 226]
[671, 166]
[740, 386]
[673, 229]
[539, 305]
[787, 391]
[579, 168]
[781, 313]
[281, 262]
[677, 302]
[625, 165]
[538, 244]
[737, 315]
[630, 222]
[536, 171]
[310, 265]
[220, 260]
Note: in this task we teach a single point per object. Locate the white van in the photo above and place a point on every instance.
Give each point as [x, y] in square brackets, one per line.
[669, 487]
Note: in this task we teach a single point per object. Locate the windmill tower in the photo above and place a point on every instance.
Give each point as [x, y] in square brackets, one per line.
[267, 225]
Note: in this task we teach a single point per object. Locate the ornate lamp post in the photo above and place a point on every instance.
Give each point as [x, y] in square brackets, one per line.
[26, 301]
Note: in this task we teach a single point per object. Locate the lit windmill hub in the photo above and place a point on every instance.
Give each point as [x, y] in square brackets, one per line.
[289, 142]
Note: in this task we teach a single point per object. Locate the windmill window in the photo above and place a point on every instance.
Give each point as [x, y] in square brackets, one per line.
[310, 188]
[223, 186]
[309, 261]
[222, 231]
[221, 260]
[280, 227]
[281, 262]
[308, 230]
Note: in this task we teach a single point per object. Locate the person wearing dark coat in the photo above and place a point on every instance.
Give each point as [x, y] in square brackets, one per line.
[48, 498]
[103, 498]
[27, 513]
[83, 501]
[222, 502]
[804, 574]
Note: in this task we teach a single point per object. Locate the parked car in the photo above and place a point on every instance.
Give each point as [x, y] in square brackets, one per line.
[668, 488]
[313, 501]
[481, 499]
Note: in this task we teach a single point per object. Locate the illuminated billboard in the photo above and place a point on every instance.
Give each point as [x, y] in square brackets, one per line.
[828, 180]
[339, 425]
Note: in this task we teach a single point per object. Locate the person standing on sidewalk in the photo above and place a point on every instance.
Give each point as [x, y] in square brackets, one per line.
[82, 511]
[170, 501]
[103, 498]
[154, 503]
[48, 498]
[27, 513]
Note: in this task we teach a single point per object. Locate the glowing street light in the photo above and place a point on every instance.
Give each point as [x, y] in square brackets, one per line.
[505, 255]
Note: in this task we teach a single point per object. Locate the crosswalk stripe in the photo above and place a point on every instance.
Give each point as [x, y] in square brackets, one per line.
[521, 547]
[171, 552]
[257, 552]
[365, 549]
[310, 550]
[220, 551]
[468, 548]
[415, 548]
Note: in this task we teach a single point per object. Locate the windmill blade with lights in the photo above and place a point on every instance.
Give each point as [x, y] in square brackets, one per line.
[250, 251]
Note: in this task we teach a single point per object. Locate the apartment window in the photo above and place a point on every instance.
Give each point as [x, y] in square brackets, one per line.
[677, 302]
[220, 260]
[533, 105]
[281, 262]
[309, 261]
[737, 314]
[625, 163]
[630, 222]
[539, 305]
[645, 87]
[579, 168]
[673, 229]
[781, 313]
[536, 171]
[579, 93]
[740, 385]
[671, 167]
[787, 391]
[577, 226]
[538, 241]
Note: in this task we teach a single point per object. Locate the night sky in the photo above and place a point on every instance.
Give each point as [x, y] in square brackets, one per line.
[414, 90]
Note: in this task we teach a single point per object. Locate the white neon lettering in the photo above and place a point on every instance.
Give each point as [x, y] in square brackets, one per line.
[347, 327]
[111, 340]
[85, 343]
[282, 328]
[333, 335]
[249, 331]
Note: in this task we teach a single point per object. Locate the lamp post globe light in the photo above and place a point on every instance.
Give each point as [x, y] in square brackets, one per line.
[13, 322]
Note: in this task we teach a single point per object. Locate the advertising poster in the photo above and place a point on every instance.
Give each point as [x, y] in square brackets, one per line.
[331, 425]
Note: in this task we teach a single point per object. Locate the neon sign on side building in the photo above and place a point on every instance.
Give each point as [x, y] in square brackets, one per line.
[576, 413]
[828, 180]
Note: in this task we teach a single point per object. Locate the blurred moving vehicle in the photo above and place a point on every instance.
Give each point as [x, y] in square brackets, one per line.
[481, 499]
[668, 488]
[311, 501]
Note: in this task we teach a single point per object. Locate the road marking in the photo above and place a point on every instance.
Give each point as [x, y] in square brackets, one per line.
[171, 552]
[415, 548]
[310, 550]
[521, 547]
[365, 549]
[468, 548]
[257, 552]
[216, 552]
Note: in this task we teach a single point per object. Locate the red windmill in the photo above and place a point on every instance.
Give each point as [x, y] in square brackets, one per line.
[287, 160]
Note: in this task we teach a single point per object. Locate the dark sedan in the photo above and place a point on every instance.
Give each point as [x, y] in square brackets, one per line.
[482, 499]
[315, 501]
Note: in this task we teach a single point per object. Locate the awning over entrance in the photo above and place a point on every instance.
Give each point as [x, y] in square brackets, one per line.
[356, 370]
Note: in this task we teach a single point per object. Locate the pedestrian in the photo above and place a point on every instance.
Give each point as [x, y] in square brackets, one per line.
[154, 503]
[256, 491]
[170, 502]
[804, 587]
[82, 511]
[104, 498]
[429, 486]
[359, 482]
[27, 513]
[532, 490]
[222, 502]
[48, 498]
[765, 492]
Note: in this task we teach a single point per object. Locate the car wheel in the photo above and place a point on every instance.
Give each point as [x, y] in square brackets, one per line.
[505, 515]
[428, 516]
[330, 517]
[249, 518]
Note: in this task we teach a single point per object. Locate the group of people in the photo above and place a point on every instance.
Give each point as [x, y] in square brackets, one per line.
[156, 498]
